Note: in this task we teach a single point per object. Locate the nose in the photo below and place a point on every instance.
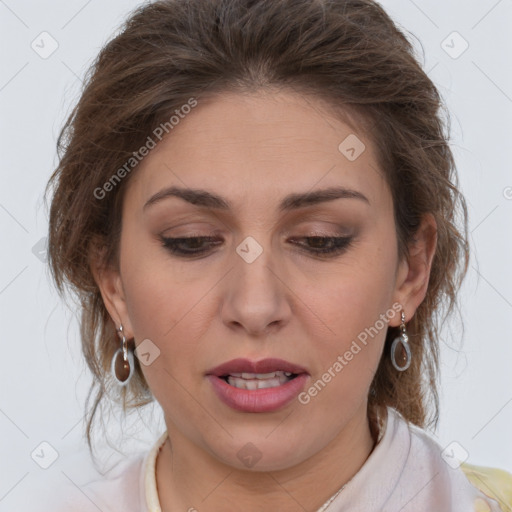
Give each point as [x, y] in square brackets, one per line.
[256, 295]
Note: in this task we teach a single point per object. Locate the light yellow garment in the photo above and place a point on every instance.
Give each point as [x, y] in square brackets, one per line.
[493, 482]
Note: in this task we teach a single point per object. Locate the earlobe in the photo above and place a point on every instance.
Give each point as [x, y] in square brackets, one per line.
[414, 274]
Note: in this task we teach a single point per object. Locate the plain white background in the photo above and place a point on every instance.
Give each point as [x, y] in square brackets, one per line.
[43, 378]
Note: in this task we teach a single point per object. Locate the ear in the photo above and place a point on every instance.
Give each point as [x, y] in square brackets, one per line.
[111, 288]
[414, 273]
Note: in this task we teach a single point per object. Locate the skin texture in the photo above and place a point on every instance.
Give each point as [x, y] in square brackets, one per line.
[253, 150]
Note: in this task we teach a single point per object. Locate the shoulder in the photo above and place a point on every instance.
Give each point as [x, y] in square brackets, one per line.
[449, 483]
[493, 482]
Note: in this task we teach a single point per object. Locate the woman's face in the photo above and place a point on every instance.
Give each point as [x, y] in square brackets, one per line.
[249, 168]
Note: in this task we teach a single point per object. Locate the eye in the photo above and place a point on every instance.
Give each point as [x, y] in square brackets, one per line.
[198, 245]
[189, 246]
[326, 245]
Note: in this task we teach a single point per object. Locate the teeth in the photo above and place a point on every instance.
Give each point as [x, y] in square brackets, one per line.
[254, 381]
[252, 376]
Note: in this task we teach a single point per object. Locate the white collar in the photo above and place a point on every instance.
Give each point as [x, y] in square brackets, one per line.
[405, 471]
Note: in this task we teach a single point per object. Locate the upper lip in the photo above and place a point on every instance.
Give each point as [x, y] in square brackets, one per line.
[247, 366]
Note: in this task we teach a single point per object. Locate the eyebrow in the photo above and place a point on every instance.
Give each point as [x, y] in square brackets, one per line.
[199, 197]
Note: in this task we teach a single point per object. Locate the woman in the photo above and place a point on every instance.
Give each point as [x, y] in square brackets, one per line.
[256, 203]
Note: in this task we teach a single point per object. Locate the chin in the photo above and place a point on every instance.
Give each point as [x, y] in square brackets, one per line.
[262, 454]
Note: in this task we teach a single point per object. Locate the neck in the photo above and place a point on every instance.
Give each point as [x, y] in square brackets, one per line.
[188, 478]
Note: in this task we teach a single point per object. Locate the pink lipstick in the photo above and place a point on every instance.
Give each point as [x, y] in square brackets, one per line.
[257, 386]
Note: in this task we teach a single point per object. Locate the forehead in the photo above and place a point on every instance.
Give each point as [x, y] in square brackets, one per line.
[260, 146]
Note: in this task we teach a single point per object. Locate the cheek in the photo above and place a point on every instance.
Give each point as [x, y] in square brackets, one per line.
[349, 360]
[352, 298]
[155, 300]
[355, 307]
[160, 312]
[165, 307]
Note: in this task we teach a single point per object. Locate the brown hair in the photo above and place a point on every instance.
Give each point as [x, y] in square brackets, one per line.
[346, 52]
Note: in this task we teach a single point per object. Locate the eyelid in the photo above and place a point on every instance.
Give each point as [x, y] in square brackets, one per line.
[335, 230]
[341, 245]
[326, 233]
[304, 227]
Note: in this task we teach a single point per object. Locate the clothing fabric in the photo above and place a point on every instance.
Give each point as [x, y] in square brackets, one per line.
[405, 472]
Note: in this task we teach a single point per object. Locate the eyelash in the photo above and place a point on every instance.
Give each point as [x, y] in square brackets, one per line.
[338, 245]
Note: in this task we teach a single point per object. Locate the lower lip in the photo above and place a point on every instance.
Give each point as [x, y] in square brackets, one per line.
[258, 400]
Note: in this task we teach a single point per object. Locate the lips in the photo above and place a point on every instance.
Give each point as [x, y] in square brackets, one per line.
[263, 366]
[263, 391]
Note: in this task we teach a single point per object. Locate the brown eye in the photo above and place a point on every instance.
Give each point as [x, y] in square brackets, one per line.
[189, 246]
[326, 244]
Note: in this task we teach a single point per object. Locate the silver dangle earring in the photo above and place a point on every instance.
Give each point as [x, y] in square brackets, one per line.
[122, 363]
[401, 343]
